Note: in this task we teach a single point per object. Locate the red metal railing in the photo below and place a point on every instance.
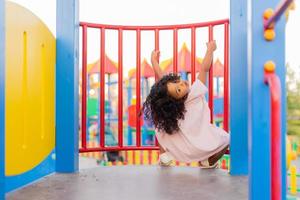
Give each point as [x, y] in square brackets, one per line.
[275, 90]
[138, 30]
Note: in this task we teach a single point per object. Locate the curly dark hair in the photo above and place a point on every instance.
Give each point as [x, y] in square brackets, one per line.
[161, 108]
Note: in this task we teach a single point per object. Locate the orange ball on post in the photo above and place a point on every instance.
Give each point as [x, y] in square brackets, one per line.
[269, 66]
[269, 34]
[268, 13]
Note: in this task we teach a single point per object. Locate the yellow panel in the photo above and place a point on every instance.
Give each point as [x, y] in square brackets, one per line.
[30, 64]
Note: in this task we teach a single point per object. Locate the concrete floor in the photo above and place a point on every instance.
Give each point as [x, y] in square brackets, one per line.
[137, 183]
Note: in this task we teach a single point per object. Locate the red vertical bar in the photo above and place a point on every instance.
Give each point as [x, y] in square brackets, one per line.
[138, 87]
[156, 39]
[156, 48]
[211, 81]
[120, 89]
[102, 89]
[226, 79]
[276, 158]
[156, 43]
[193, 54]
[175, 49]
[84, 85]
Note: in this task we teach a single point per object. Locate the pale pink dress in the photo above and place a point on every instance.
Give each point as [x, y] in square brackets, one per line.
[197, 139]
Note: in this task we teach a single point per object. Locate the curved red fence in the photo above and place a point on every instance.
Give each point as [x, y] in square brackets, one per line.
[138, 29]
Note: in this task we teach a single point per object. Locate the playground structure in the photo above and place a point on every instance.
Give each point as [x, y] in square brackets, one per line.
[147, 79]
[256, 76]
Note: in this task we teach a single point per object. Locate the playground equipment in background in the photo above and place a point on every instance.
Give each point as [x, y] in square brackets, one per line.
[291, 151]
[93, 69]
[293, 177]
[147, 75]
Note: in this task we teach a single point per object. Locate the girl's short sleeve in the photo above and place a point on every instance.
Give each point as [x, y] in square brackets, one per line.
[198, 89]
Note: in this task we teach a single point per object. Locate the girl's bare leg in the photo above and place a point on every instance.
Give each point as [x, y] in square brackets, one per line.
[214, 158]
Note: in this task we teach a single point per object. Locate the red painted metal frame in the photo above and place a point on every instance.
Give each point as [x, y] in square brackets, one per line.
[157, 49]
[120, 88]
[138, 30]
[102, 89]
[151, 28]
[175, 50]
[226, 77]
[211, 80]
[273, 81]
[281, 8]
[193, 54]
[138, 87]
[156, 39]
[84, 90]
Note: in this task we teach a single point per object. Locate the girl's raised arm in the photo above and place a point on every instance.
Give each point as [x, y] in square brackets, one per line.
[155, 64]
[211, 47]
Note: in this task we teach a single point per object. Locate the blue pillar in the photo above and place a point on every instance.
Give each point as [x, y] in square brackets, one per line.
[259, 118]
[238, 88]
[67, 26]
[2, 100]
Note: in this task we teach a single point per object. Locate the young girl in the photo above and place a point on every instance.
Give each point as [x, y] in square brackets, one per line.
[181, 117]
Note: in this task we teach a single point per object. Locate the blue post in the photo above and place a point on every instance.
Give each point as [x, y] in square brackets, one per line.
[2, 100]
[238, 88]
[67, 86]
[259, 118]
[259, 101]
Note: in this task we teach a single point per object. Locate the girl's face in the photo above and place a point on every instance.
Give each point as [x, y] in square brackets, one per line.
[178, 89]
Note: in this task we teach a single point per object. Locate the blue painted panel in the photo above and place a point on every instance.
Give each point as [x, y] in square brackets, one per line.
[238, 88]
[263, 51]
[2, 101]
[259, 117]
[67, 22]
[43, 169]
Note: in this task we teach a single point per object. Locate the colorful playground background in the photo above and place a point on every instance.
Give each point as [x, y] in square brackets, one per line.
[44, 41]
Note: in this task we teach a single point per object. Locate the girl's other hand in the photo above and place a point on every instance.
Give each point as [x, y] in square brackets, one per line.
[155, 57]
[211, 46]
